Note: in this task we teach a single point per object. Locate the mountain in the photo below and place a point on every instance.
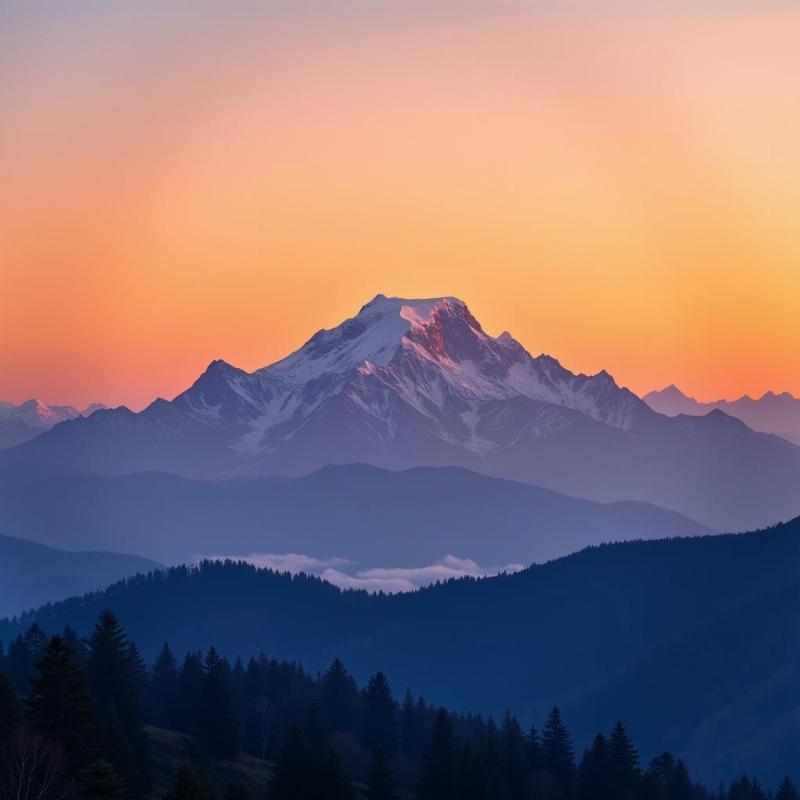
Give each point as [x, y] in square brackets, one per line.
[695, 642]
[32, 574]
[409, 383]
[368, 516]
[770, 413]
[20, 423]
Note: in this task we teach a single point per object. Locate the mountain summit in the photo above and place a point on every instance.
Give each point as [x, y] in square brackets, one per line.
[409, 383]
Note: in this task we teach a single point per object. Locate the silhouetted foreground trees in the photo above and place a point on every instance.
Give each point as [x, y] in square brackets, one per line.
[73, 714]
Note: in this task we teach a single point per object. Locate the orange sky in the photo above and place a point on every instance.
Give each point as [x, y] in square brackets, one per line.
[617, 184]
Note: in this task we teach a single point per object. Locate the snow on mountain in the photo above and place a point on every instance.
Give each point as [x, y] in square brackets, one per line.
[427, 358]
[19, 423]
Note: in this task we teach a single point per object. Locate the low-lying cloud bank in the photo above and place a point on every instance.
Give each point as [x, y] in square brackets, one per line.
[342, 572]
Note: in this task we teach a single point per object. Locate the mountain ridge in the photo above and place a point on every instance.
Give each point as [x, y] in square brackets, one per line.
[357, 512]
[409, 383]
[777, 413]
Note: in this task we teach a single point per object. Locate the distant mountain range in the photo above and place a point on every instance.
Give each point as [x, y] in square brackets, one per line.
[694, 643]
[364, 515]
[409, 383]
[32, 574]
[20, 423]
[771, 413]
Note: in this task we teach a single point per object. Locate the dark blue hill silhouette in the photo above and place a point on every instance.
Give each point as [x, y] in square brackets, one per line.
[693, 641]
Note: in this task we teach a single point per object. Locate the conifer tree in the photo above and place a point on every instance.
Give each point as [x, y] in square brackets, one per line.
[219, 718]
[623, 763]
[513, 758]
[99, 781]
[680, 787]
[340, 698]
[59, 705]
[533, 749]
[380, 715]
[787, 790]
[557, 752]
[190, 680]
[593, 771]
[116, 678]
[164, 689]
[437, 778]
[111, 670]
[380, 781]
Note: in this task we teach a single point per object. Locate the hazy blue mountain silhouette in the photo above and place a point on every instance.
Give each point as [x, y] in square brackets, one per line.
[368, 515]
[32, 574]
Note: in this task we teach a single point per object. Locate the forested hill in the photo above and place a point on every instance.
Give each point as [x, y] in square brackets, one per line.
[583, 631]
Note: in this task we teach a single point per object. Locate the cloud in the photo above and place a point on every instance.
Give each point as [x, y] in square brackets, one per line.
[376, 579]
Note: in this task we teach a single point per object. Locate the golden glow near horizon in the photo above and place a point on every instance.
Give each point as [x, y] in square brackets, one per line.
[618, 186]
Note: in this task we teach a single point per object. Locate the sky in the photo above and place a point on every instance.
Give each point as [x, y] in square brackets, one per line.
[614, 182]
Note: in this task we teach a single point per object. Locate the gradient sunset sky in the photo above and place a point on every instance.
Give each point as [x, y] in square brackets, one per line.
[616, 183]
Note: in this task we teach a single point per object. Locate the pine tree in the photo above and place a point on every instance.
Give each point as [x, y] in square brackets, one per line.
[380, 781]
[340, 698]
[219, 718]
[59, 705]
[557, 752]
[787, 790]
[164, 689]
[188, 786]
[9, 711]
[117, 679]
[593, 772]
[533, 749]
[190, 681]
[513, 758]
[680, 787]
[623, 762]
[112, 672]
[99, 781]
[437, 779]
[380, 715]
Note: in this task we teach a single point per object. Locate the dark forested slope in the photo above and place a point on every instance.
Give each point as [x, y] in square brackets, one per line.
[693, 625]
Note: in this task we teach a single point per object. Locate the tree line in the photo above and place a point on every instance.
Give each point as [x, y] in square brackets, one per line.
[73, 716]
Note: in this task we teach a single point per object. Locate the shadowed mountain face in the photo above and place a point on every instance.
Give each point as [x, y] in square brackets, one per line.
[369, 516]
[418, 382]
[771, 413]
[32, 574]
[695, 643]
